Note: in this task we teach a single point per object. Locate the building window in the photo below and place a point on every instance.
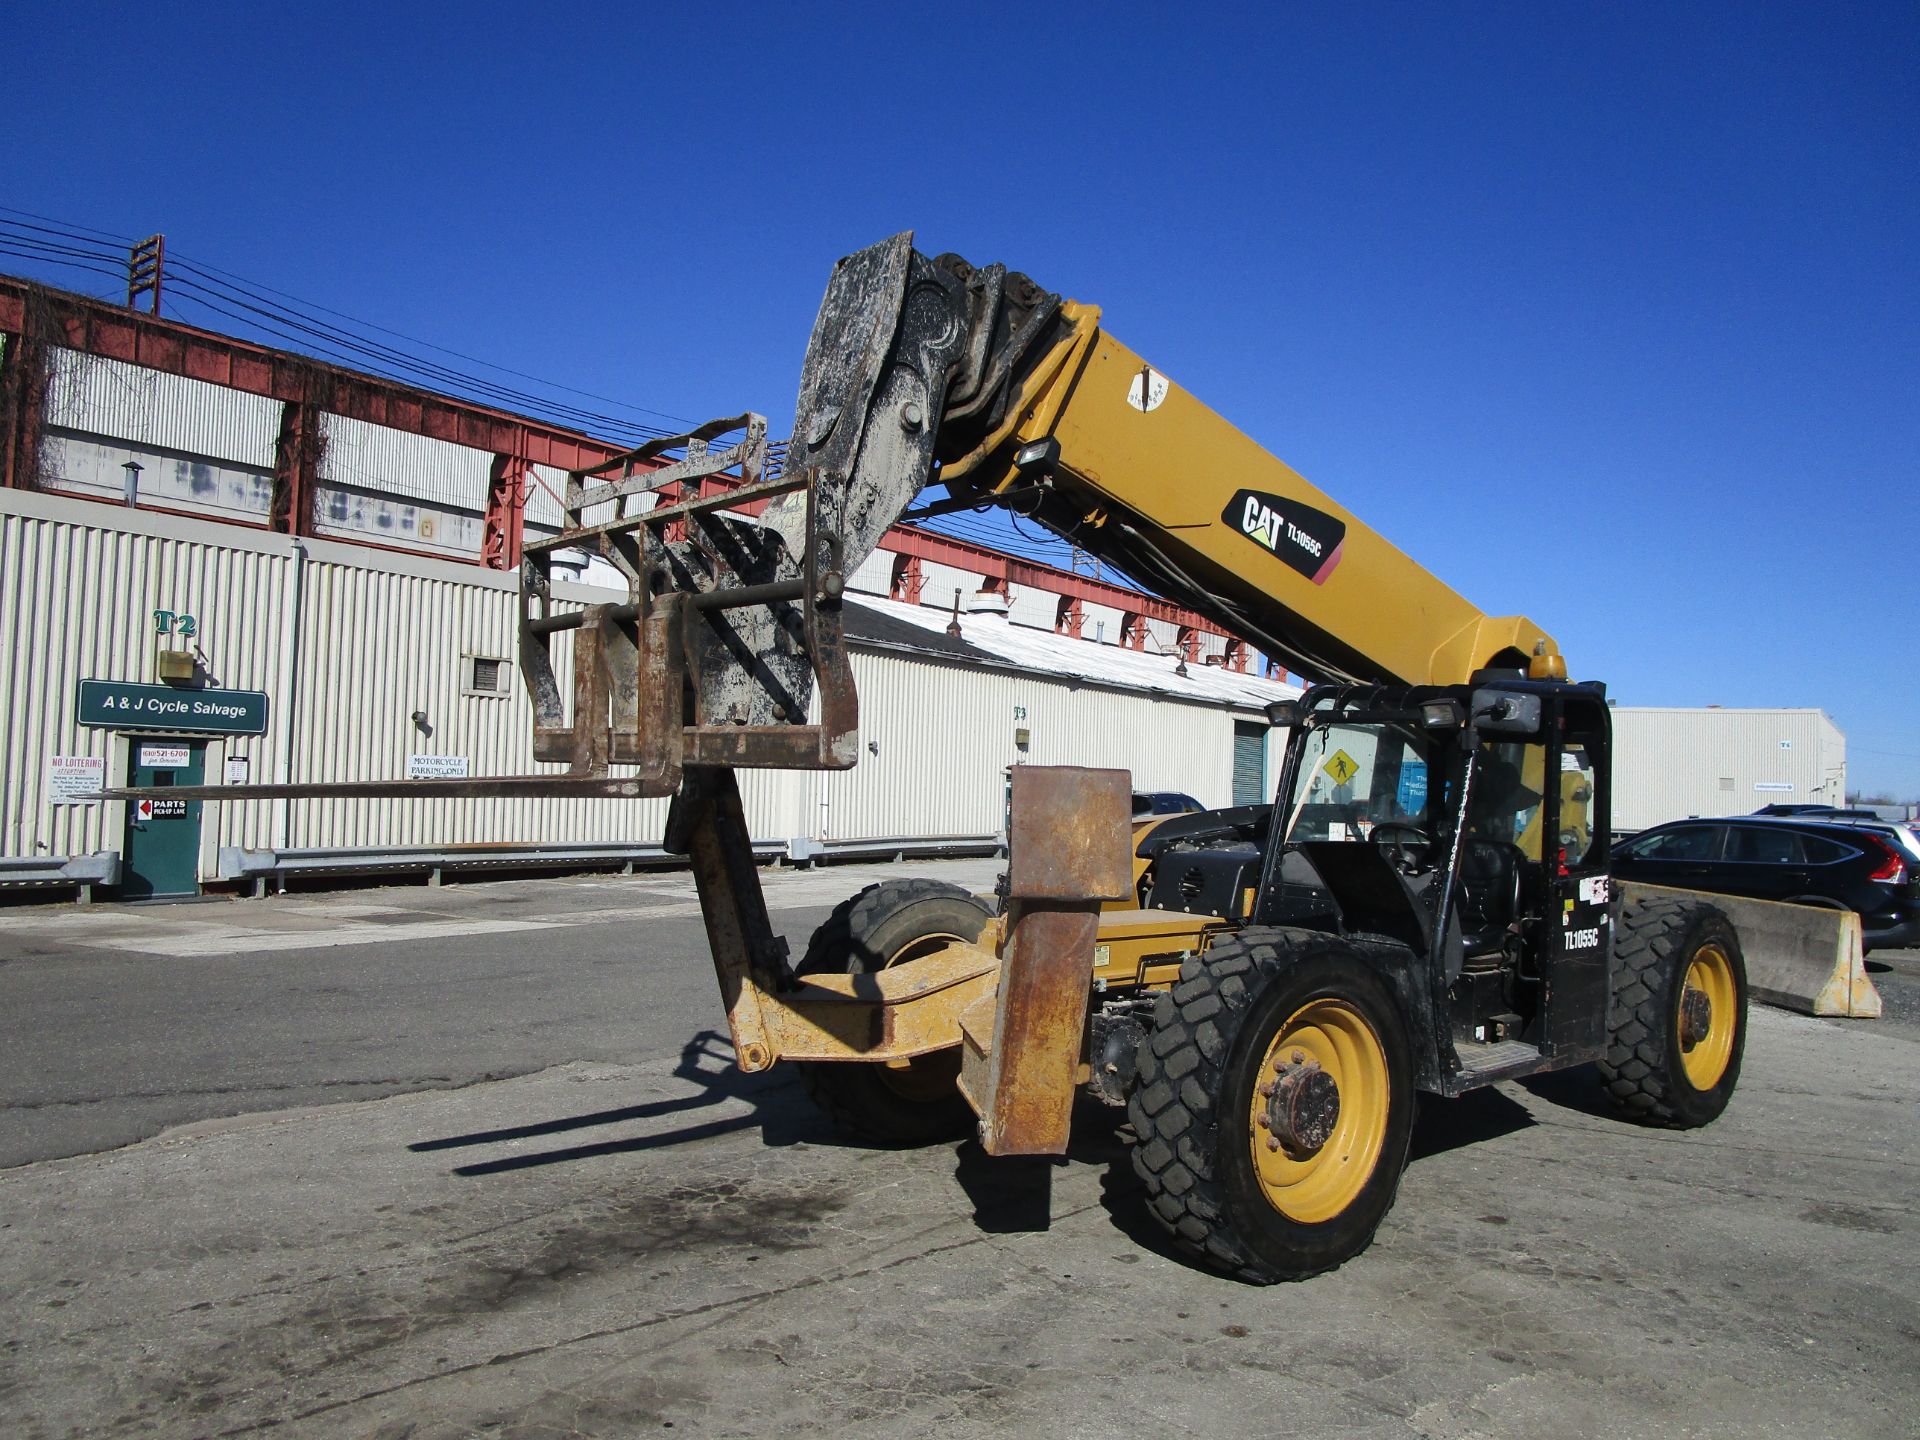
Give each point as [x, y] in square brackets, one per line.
[485, 675]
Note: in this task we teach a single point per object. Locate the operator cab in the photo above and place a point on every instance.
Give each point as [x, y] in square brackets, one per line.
[1464, 827]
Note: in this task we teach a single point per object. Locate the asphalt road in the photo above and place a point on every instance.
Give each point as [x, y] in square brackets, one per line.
[629, 1237]
[117, 1022]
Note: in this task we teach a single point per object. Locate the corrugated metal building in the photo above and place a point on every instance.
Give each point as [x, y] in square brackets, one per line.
[1673, 763]
[373, 603]
[348, 547]
[372, 657]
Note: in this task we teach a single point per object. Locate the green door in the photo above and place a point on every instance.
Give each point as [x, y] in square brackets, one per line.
[162, 853]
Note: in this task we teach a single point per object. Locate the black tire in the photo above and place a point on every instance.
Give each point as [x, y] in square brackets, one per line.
[918, 1103]
[1653, 1070]
[1200, 1148]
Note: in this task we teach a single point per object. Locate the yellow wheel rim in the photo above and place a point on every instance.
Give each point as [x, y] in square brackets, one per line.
[1710, 976]
[924, 1079]
[1314, 1188]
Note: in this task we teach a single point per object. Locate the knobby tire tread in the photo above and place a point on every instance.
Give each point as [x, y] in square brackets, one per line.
[1176, 1117]
[1638, 1070]
[836, 1087]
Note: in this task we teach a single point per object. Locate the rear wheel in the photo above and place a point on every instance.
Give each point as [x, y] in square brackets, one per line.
[1274, 1105]
[902, 1102]
[1678, 1018]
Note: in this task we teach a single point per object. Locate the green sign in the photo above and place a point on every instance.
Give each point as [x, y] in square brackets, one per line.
[120, 705]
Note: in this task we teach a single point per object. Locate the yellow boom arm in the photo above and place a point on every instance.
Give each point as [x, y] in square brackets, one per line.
[1147, 477]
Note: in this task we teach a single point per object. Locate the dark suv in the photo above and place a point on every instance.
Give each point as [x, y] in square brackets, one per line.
[1806, 862]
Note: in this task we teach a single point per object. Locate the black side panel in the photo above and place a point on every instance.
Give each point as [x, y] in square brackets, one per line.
[1369, 891]
[1243, 822]
[1406, 972]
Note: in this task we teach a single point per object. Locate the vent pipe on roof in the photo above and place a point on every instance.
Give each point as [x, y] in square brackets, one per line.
[987, 602]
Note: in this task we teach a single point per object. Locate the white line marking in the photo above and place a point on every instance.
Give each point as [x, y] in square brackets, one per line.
[226, 941]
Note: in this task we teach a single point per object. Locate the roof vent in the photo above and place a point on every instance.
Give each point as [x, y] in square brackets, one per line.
[987, 602]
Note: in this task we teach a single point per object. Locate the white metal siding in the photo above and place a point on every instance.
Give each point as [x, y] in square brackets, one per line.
[938, 582]
[89, 465]
[376, 457]
[76, 602]
[383, 635]
[874, 575]
[544, 506]
[1673, 763]
[109, 398]
[410, 524]
[1102, 624]
[1034, 607]
[945, 734]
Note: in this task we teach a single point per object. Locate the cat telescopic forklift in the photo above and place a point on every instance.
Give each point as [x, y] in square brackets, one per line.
[1424, 907]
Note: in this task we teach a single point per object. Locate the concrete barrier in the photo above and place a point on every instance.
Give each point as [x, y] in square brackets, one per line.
[1799, 957]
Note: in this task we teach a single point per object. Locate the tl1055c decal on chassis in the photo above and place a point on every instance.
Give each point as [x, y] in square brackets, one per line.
[1307, 539]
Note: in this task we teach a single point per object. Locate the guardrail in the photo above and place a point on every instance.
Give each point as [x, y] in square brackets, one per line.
[237, 864]
[81, 871]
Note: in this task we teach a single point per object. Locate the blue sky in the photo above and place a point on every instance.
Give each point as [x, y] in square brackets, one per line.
[1609, 314]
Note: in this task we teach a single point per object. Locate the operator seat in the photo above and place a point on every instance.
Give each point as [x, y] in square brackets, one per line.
[1490, 876]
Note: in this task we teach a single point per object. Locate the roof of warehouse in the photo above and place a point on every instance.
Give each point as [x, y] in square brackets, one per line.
[894, 624]
[869, 624]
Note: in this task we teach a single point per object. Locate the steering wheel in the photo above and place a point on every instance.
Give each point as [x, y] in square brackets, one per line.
[1398, 840]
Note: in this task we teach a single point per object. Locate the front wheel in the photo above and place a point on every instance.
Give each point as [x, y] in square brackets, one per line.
[901, 1102]
[1678, 1015]
[1274, 1105]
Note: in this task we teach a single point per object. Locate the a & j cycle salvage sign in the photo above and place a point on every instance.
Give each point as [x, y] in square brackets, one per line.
[122, 705]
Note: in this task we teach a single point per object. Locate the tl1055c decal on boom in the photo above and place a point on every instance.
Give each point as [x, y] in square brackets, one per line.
[1307, 539]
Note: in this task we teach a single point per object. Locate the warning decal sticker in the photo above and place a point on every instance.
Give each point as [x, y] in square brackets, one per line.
[1307, 539]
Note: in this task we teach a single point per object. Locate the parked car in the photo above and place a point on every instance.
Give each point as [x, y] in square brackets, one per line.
[1901, 834]
[1810, 861]
[1163, 802]
[1815, 812]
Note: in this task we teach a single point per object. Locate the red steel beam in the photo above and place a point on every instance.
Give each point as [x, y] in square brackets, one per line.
[98, 327]
[964, 555]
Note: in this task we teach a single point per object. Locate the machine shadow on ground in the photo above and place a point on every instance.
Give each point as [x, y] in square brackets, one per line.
[779, 1111]
[1008, 1195]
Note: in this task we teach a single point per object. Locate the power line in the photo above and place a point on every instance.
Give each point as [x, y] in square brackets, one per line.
[296, 325]
[122, 240]
[458, 355]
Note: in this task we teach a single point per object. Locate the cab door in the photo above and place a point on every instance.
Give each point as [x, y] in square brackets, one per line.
[1577, 939]
[161, 857]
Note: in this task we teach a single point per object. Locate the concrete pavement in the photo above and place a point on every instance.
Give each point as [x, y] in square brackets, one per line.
[615, 1248]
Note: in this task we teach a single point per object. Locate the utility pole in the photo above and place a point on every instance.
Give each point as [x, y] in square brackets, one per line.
[145, 264]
